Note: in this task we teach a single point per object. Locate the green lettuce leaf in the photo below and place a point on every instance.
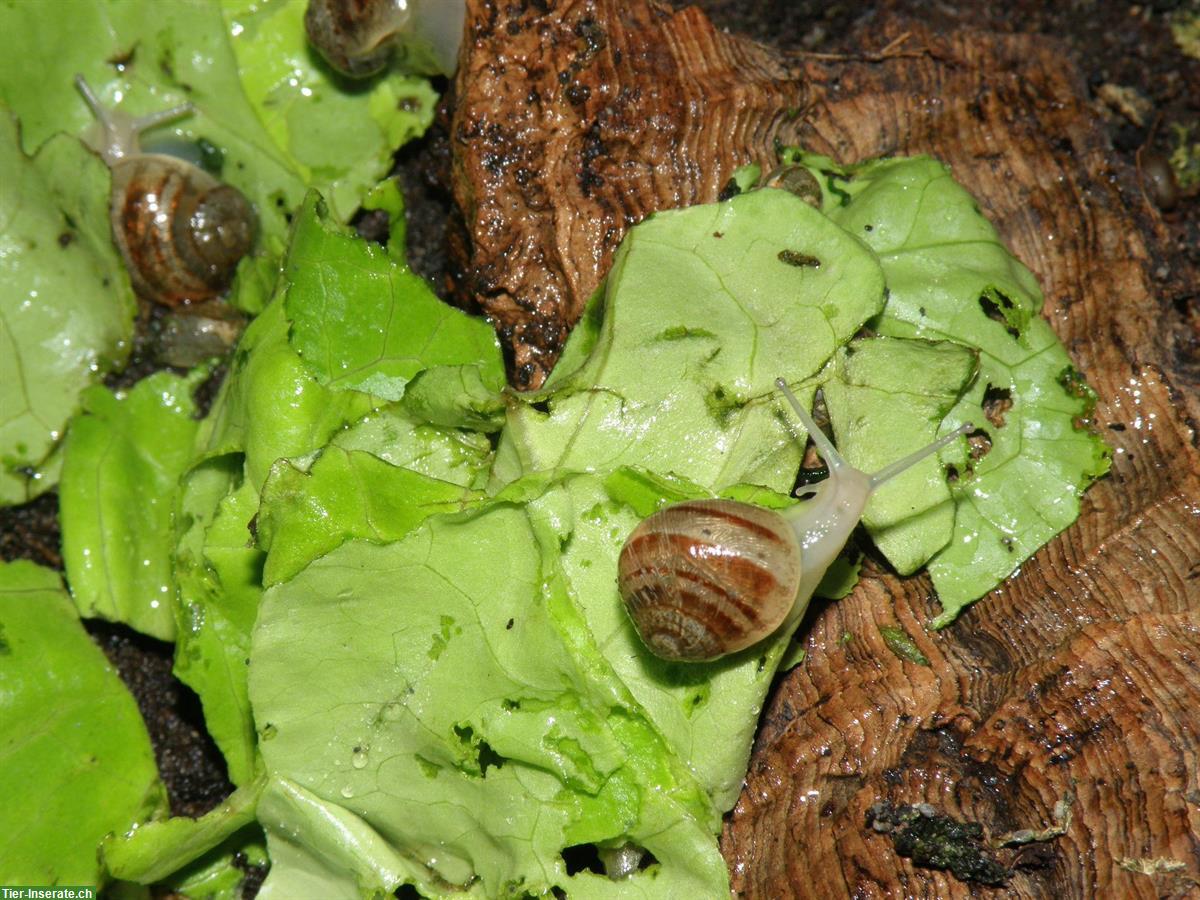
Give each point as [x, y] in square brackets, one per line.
[344, 494]
[949, 277]
[219, 572]
[122, 461]
[271, 405]
[361, 321]
[340, 141]
[459, 456]
[275, 415]
[887, 398]
[703, 309]
[191, 852]
[75, 760]
[452, 734]
[66, 308]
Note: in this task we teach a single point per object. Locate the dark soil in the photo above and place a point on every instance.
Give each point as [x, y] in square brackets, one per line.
[1115, 43]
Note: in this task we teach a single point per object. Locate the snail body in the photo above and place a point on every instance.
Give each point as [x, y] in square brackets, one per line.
[705, 578]
[180, 231]
[359, 37]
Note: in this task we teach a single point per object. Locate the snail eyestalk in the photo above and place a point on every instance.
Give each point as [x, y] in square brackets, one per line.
[894, 469]
[120, 132]
[834, 460]
[825, 447]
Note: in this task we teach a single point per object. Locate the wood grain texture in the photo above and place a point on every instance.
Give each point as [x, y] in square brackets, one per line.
[572, 122]
[1078, 679]
[1075, 681]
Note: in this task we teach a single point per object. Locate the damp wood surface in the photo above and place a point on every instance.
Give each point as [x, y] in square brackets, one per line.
[1064, 708]
[575, 120]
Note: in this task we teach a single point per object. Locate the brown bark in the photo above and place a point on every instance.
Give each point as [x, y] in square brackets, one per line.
[573, 123]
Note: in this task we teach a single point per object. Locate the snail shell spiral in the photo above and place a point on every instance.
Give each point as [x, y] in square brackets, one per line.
[180, 231]
[704, 578]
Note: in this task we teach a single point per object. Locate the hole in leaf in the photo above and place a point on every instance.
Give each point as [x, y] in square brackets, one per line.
[489, 758]
[479, 753]
[979, 443]
[582, 858]
[997, 307]
[617, 861]
[996, 402]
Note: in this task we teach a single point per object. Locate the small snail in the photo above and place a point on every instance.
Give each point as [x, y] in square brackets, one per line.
[180, 231]
[705, 578]
[358, 37]
[795, 180]
[1160, 180]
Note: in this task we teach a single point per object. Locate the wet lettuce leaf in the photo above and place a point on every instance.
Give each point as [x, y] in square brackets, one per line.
[66, 308]
[77, 763]
[340, 141]
[703, 308]
[344, 494]
[459, 727]
[122, 461]
[191, 855]
[950, 277]
[878, 418]
[218, 567]
[275, 418]
[361, 321]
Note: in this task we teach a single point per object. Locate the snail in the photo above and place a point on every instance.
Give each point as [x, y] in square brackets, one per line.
[705, 578]
[1160, 180]
[358, 37]
[795, 180]
[180, 231]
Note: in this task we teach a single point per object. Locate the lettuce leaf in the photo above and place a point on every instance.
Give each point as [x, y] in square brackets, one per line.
[361, 321]
[455, 735]
[703, 308]
[269, 434]
[949, 277]
[66, 308]
[879, 417]
[122, 461]
[77, 762]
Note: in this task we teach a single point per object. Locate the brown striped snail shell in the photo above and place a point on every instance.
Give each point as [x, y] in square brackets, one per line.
[705, 578]
[180, 231]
